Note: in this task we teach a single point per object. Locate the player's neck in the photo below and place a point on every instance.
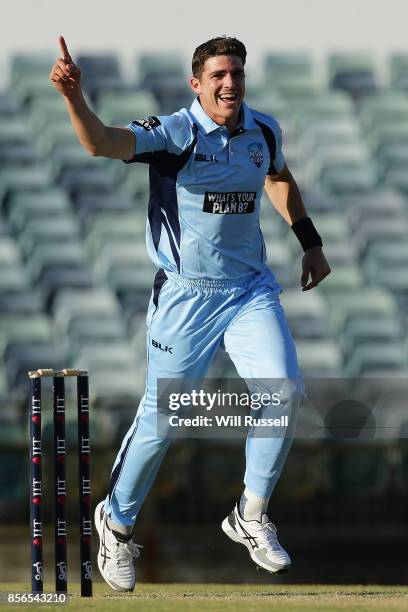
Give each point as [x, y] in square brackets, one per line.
[231, 122]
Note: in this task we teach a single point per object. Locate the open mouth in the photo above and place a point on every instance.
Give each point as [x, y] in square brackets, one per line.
[228, 99]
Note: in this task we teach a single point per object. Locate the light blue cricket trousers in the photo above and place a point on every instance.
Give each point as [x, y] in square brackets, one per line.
[195, 318]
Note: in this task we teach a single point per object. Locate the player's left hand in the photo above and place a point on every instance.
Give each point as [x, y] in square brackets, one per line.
[315, 266]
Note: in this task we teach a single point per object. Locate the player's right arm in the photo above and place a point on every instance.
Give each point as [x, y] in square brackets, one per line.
[96, 137]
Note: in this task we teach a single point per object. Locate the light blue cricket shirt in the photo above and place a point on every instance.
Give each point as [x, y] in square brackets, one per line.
[205, 190]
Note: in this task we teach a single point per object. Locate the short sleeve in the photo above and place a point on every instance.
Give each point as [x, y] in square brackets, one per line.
[150, 136]
[159, 134]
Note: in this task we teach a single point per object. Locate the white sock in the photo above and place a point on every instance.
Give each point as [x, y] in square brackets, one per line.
[252, 507]
[125, 530]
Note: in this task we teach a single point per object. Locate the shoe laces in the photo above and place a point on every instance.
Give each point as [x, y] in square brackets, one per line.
[126, 552]
[269, 532]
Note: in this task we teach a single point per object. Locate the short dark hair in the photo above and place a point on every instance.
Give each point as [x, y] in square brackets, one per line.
[222, 45]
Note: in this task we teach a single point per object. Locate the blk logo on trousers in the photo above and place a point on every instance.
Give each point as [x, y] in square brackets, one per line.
[165, 349]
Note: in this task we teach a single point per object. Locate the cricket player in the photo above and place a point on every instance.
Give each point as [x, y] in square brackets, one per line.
[208, 167]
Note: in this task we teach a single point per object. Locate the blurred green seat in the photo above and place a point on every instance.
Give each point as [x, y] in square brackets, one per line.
[72, 155]
[341, 253]
[391, 278]
[264, 100]
[9, 253]
[354, 73]
[393, 157]
[331, 155]
[380, 203]
[24, 207]
[346, 277]
[370, 330]
[386, 254]
[381, 357]
[55, 134]
[109, 226]
[159, 64]
[24, 65]
[103, 356]
[13, 278]
[376, 231]
[306, 313]
[128, 107]
[136, 182]
[130, 279]
[14, 329]
[43, 229]
[88, 179]
[32, 87]
[26, 179]
[15, 130]
[350, 61]
[368, 301]
[120, 256]
[397, 178]
[73, 303]
[69, 254]
[399, 71]
[323, 132]
[386, 134]
[292, 64]
[45, 112]
[292, 88]
[319, 358]
[120, 384]
[329, 107]
[388, 107]
[91, 330]
[348, 179]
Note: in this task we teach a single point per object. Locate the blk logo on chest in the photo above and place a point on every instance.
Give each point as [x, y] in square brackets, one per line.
[165, 349]
[200, 157]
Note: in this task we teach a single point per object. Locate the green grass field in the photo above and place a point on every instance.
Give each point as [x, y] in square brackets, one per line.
[228, 597]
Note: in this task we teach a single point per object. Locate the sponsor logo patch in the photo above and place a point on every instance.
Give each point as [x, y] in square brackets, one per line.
[148, 123]
[229, 203]
[256, 156]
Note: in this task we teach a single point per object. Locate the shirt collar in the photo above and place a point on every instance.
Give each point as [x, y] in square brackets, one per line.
[208, 125]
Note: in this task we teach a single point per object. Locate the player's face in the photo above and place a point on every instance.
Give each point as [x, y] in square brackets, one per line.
[221, 88]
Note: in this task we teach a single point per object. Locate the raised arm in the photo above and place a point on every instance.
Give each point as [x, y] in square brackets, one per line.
[97, 138]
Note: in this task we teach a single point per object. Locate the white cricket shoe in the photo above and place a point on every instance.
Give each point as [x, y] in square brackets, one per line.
[116, 559]
[260, 538]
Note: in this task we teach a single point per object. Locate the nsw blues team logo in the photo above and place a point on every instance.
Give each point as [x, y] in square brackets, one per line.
[255, 150]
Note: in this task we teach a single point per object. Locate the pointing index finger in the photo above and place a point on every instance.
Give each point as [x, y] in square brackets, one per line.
[64, 49]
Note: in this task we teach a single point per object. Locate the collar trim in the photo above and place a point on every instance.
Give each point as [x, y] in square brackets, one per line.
[208, 125]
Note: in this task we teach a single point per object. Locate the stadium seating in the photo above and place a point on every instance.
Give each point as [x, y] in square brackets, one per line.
[72, 226]
[353, 73]
[75, 280]
[399, 71]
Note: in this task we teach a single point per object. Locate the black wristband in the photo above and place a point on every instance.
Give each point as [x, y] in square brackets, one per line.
[306, 233]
